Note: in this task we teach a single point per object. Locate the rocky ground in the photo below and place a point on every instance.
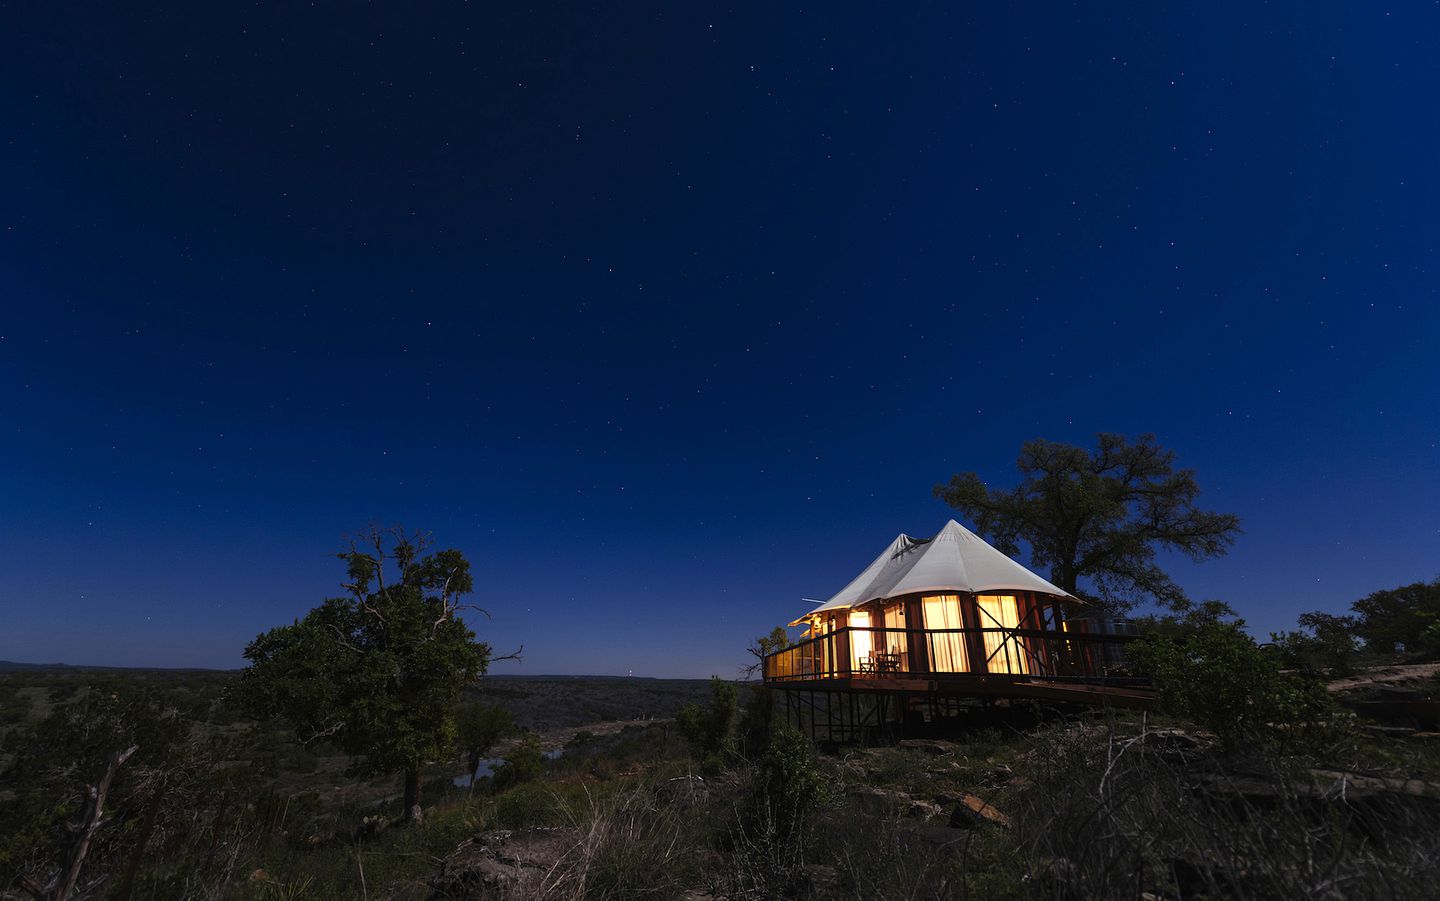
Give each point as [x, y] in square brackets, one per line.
[1062, 808]
[1415, 676]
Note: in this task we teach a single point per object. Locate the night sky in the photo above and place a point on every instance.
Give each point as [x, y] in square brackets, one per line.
[670, 316]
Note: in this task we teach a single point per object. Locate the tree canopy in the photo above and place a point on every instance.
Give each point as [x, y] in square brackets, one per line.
[764, 646]
[478, 727]
[378, 673]
[1097, 517]
[1406, 617]
[1206, 669]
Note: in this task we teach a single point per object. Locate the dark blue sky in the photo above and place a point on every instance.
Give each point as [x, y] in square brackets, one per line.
[668, 317]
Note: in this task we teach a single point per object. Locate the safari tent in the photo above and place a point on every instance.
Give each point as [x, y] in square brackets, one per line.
[952, 617]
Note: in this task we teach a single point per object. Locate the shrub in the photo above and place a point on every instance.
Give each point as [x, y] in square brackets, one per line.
[788, 785]
[580, 739]
[524, 764]
[710, 731]
[790, 781]
[1218, 678]
[526, 805]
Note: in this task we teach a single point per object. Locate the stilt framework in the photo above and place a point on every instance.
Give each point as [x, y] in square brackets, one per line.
[849, 715]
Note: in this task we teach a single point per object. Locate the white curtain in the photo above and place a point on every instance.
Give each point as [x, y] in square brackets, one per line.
[860, 641]
[1005, 654]
[947, 650]
[895, 641]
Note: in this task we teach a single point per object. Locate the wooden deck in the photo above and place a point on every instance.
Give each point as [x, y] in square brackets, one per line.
[1065, 667]
[1115, 693]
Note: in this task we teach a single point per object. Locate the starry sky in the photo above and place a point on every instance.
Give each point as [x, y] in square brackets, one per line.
[669, 315]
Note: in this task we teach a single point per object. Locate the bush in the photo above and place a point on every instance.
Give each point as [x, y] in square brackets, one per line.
[1217, 677]
[788, 785]
[524, 764]
[710, 731]
[580, 739]
[790, 781]
[526, 805]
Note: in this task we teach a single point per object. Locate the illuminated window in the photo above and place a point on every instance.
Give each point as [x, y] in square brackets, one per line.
[861, 643]
[1004, 653]
[947, 649]
[895, 641]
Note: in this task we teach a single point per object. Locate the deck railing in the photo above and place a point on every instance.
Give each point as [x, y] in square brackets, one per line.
[859, 652]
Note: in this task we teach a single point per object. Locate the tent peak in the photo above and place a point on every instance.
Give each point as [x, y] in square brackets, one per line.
[955, 559]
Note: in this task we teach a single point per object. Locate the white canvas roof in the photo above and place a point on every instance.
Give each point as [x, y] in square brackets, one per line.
[954, 560]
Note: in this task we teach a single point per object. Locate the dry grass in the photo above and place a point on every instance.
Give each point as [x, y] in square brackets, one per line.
[630, 847]
[1112, 816]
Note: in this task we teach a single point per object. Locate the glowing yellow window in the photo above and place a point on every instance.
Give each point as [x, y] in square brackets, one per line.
[1004, 653]
[861, 641]
[947, 649]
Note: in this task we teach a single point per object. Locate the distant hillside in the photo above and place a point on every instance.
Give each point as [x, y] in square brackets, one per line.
[546, 703]
[12, 666]
[541, 703]
[17, 666]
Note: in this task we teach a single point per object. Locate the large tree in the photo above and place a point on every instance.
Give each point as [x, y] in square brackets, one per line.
[1097, 517]
[378, 673]
[1407, 617]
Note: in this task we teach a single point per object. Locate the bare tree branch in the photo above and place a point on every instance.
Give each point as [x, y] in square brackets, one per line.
[322, 733]
[513, 655]
[93, 815]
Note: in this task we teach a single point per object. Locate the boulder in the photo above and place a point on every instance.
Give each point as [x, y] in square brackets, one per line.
[972, 811]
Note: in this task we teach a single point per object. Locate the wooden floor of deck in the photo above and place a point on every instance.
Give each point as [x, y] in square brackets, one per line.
[1117, 693]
